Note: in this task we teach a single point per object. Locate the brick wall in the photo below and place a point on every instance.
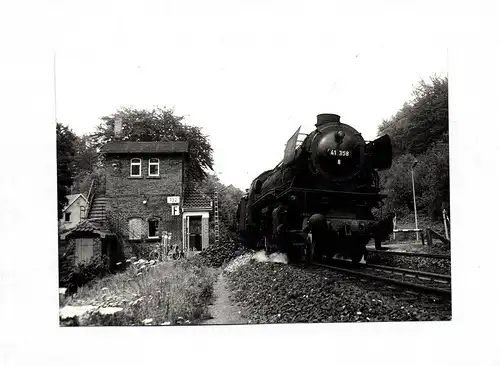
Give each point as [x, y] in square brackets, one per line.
[125, 194]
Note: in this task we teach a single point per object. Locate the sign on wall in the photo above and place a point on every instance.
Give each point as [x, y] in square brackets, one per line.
[173, 199]
[175, 210]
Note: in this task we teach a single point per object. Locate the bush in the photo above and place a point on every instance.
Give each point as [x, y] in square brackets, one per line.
[148, 292]
[143, 249]
[432, 184]
[72, 277]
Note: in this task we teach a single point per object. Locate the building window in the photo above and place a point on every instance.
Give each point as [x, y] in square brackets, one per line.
[153, 228]
[67, 216]
[135, 167]
[135, 229]
[154, 167]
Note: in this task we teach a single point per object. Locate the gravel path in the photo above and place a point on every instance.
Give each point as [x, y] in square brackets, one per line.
[222, 310]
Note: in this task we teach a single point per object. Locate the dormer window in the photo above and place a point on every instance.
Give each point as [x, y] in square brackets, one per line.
[154, 167]
[135, 167]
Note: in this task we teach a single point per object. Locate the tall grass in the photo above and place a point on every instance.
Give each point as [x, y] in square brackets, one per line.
[167, 293]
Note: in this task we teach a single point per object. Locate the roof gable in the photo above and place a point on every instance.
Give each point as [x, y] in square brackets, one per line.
[145, 147]
[72, 198]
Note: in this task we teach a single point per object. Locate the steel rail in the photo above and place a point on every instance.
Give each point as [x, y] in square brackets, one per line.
[438, 291]
[418, 274]
[409, 254]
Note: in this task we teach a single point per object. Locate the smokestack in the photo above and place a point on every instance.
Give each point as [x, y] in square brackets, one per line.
[118, 127]
[327, 118]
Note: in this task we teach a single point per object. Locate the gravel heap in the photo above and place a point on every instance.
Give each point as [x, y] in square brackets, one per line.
[270, 292]
[218, 254]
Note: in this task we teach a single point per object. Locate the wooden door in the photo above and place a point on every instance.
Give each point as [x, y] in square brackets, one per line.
[84, 250]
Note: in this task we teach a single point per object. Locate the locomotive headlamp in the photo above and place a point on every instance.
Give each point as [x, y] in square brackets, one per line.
[339, 136]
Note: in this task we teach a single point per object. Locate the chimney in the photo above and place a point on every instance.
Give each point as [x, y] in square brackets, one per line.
[118, 127]
[327, 118]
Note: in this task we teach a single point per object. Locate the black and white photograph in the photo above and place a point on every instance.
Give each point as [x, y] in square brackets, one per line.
[259, 192]
[253, 166]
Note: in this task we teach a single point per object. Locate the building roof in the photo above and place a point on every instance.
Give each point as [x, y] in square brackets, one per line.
[145, 147]
[88, 226]
[72, 198]
[196, 199]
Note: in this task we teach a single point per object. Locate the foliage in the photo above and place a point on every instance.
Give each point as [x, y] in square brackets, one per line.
[84, 182]
[228, 197]
[149, 293]
[419, 131]
[158, 124]
[72, 277]
[65, 142]
[422, 121]
[87, 166]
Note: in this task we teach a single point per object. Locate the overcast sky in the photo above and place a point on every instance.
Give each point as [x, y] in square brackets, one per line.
[248, 73]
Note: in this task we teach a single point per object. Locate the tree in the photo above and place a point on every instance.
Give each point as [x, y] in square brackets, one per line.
[65, 142]
[159, 124]
[228, 197]
[422, 121]
[86, 165]
[419, 130]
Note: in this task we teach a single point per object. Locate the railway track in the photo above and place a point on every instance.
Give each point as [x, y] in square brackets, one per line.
[421, 282]
[408, 254]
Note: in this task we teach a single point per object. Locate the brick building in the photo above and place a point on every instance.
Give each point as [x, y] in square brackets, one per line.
[145, 201]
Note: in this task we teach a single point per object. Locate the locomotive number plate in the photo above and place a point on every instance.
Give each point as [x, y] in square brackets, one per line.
[340, 153]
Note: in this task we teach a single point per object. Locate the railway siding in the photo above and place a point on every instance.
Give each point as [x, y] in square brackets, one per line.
[280, 293]
[413, 261]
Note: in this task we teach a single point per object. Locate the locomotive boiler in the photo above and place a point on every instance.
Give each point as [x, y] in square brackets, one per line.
[318, 201]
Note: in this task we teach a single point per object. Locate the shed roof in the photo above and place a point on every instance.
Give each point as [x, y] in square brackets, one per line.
[145, 147]
[88, 226]
[196, 199]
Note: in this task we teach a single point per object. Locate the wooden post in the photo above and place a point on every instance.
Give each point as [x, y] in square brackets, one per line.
[429, 238]
[445, 224]
[394, 228]
[422, 237]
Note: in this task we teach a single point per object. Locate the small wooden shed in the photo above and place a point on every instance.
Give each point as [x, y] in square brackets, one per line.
[91, 239]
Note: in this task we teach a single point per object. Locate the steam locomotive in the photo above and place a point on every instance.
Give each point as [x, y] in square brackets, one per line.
[318, 201]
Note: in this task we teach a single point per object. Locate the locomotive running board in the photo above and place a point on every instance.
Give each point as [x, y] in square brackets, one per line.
[327, 191]
[274, 195]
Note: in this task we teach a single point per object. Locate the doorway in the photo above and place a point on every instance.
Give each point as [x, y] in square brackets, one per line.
[195, 233]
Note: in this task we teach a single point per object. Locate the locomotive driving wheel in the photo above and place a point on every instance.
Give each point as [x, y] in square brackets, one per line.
[356, 256]
[312, 252]
[358, 251]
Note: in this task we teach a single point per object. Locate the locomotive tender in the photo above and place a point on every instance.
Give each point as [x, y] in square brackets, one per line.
[318, 201]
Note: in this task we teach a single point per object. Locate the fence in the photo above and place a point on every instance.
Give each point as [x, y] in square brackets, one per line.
[429, 232]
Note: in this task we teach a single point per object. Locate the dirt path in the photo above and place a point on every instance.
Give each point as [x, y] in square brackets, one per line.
[222, 310]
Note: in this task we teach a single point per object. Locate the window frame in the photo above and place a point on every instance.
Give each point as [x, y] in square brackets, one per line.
[68, 216]
[132, 163]
[157, 228]
[149, 167]
[141, 228]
